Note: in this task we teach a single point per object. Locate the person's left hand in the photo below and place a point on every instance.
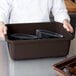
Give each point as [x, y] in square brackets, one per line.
[67, 26]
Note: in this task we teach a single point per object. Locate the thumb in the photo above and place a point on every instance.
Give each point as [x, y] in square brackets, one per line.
[68, 27]
[4, 30]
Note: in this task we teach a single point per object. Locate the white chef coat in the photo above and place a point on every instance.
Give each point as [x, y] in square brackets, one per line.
[27, 11]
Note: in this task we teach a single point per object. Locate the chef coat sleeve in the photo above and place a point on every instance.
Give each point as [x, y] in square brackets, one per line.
[5, 7]
[59, 11]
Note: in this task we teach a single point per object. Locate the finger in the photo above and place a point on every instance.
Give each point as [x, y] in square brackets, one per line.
[69, 28]
[66, 27]
[4, 30]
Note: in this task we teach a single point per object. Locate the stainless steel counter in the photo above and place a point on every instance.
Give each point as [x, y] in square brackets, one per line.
[33, 67]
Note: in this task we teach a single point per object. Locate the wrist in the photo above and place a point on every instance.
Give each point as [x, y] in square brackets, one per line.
[66, 21]
[1, 23]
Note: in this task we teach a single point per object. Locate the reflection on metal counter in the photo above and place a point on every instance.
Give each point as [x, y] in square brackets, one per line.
[4, 62]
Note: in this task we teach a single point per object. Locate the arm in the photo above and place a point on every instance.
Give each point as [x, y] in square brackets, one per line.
[3, 29]
[4, 16]
[61, 15]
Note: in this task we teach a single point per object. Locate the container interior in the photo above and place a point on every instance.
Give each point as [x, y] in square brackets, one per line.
[67, 66]
[30, 28]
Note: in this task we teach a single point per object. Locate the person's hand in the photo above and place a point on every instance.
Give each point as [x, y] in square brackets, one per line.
[67, 26]
[3, 30]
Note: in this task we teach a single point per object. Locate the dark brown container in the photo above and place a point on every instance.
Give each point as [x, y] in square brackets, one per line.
[38, 48]
[69, 64]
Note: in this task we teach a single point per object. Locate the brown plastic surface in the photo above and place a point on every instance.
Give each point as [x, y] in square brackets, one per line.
[39, 48]
[65, 63]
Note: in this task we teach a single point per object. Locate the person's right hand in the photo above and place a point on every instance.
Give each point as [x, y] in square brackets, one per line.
[3, 30]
